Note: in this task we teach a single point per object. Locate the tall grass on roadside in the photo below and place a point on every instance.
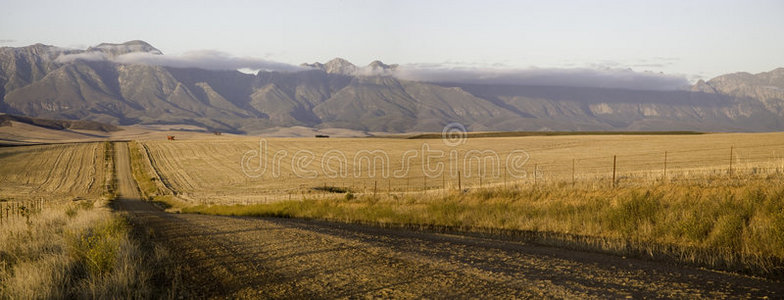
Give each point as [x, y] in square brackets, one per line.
[716, 222]
[71, 251]
[80, 249]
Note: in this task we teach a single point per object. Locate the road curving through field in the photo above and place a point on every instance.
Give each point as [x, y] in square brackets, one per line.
[291, 258]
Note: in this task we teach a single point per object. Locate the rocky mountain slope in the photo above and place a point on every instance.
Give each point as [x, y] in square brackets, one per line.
[39, 81]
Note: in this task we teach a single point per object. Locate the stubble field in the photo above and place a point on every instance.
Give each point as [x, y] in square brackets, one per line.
[53, 172]
[718, 203]
[210, 170]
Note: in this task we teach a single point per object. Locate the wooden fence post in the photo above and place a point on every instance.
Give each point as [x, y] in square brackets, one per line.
[375, 188]
[26, 214]
[443, 181]
[459, 181]
[613, 179]
[535, 179]
[731, 161]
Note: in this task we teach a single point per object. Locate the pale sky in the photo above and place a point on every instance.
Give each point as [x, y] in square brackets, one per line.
[691, 38]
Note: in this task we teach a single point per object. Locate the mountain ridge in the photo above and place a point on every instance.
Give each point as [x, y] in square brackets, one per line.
[339, 94]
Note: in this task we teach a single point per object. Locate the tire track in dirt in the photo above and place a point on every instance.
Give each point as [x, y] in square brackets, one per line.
[79, 164]
[277, 258]
[154, 165]
[44, 186]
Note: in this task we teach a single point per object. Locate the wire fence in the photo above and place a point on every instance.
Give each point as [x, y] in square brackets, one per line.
[620, 169]
[666, 165]
[14, 211]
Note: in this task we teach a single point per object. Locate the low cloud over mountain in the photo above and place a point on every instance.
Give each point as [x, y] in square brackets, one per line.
[578, 77]
[603, 77]
[135, 83]
[138, 52]
[206, 59]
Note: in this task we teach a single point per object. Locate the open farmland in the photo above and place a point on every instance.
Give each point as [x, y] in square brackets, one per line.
[719, 204]
[58, 237]
[53, 172]
[699, 215]
[287, 257]
[210, 170]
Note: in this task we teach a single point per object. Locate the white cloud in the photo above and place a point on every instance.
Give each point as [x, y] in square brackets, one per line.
[206, 59]
[576, 77]
[597, 76]
[91, 56]
[210, 60]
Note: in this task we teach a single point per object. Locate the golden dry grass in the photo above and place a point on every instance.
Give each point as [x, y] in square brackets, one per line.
[69, 250]
[69, 244]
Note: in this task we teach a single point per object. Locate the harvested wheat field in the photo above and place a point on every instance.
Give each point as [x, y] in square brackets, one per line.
[520, 226]
[211, 170]
[53, 172]
[264, 257]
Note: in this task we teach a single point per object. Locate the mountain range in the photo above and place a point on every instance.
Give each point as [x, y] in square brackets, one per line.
[56, 83]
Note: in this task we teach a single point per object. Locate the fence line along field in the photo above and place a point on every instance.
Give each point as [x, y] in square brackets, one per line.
[209, 170]
[35, 177]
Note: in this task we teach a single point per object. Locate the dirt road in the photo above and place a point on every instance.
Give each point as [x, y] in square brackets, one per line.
[253, 257]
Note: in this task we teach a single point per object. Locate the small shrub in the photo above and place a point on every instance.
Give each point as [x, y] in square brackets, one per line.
[97, 247]
[71, 211]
